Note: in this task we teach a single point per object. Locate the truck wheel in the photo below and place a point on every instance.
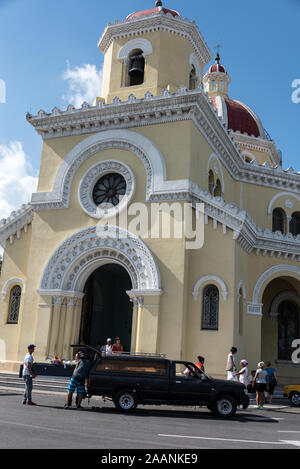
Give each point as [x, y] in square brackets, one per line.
[294, 398]
[225, 406]
[125, 400]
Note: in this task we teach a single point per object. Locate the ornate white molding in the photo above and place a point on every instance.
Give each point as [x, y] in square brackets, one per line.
[283, 296]
[277, 196]
[219, 169]
[241, 286]
[195, 62]
[156, 22]
[11, 227]
[184, 105]
[115, 139]
[90, 178]
[9, 284]
[137, 43]
[213, 279]
[76, 258]
[278, 270]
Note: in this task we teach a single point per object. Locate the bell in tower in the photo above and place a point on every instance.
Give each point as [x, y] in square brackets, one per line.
[136, 68]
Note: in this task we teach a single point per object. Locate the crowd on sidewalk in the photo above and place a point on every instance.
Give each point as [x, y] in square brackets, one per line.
[261, 381]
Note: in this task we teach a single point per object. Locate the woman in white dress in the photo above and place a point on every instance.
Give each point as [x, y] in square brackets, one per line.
[231, 366]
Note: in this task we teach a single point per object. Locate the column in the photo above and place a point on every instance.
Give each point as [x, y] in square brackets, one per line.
[76, 321]
[56, 310]
[68, 329]
[43, 328]
[134, 325]
[145, 320]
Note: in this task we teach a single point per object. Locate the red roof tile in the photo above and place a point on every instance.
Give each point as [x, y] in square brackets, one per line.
[138, 14]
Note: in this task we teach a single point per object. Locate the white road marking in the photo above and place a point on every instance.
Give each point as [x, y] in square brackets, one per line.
[289, 442]
[281, 442]
[288, 431]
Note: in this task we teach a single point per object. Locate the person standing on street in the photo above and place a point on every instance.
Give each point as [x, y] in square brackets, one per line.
[79, 376]
[261, 382]
[243, 373]
[272, 382]
[28, 375]
[231, 366]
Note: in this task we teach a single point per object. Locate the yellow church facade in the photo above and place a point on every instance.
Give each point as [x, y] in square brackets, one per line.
[163, 135]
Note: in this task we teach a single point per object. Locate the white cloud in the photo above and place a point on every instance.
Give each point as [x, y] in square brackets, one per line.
[84, 84]
[17, 178]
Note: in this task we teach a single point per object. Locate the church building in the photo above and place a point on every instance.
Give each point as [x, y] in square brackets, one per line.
[164, 134]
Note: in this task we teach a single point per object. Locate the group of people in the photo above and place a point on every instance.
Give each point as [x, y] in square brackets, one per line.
[110, 348]
[261, 381]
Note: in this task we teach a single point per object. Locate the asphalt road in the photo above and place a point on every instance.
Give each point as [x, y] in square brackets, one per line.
[100, 426]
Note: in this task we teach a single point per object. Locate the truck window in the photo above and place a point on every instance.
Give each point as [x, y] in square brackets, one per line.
[132, 366]
[182, 370]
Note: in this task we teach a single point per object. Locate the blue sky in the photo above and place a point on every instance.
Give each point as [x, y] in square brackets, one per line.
[48, 47]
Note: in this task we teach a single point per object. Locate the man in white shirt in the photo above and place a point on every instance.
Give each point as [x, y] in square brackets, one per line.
[28, 375]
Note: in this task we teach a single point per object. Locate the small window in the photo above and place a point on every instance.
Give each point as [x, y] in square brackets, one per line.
[133, 366]
[241, 312]
[211, 182]
[14, 305]
[278, 220]
[213, 85]
[218, 189]
[193, 79]
[295, 224]
[210, 308]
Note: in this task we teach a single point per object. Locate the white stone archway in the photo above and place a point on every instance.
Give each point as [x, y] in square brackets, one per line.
[84, 251]
[64, 277]
[270, 274]
[213, 279]
[131, 141]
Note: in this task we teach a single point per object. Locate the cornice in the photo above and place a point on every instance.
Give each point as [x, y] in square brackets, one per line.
[12, 226]
[156, 22]
[248, 235]
[184, 105]
[257, 144]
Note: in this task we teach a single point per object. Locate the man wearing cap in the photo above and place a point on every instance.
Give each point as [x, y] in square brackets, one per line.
[28, 375]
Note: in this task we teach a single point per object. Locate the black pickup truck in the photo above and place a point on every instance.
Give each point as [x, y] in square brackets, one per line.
[131, 380]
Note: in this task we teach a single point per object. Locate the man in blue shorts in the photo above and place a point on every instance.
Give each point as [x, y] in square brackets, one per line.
[78, 380]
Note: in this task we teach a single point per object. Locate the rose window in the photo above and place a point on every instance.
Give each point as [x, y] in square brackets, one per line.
[110, 189]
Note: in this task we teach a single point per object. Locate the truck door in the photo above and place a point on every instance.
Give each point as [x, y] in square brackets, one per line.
[185, 386]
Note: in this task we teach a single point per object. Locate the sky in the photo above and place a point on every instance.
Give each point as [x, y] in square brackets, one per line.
[49, 58]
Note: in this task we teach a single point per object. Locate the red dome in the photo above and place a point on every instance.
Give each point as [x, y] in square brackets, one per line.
[238, 117]
[216, 68]
[139, 14]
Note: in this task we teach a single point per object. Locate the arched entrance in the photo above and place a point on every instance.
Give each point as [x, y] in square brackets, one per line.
[106, 308]
[281, 319]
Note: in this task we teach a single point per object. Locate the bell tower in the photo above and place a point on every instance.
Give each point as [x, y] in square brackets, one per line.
[216, 80]
[151, 50]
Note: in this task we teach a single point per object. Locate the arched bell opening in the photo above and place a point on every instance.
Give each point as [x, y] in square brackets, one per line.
[136, 68]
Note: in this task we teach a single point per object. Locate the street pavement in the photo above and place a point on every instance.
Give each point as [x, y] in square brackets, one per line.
[100, 426]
